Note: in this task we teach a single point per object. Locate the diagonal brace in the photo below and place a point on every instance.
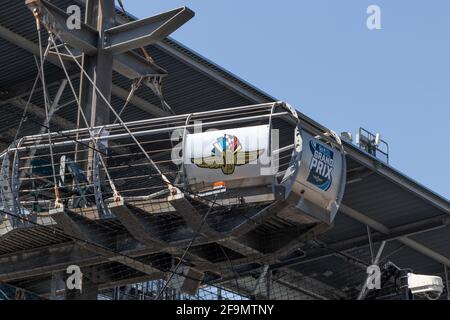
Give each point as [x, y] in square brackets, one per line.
[141, 33]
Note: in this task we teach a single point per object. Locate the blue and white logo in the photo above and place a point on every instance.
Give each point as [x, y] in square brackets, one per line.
[321, 166]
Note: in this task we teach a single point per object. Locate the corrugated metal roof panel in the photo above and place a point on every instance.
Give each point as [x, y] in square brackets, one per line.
[387, 203]
[188, 90]
[438, 239]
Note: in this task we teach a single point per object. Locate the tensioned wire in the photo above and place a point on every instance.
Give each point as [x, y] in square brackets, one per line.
[46, 103]
[123, 124]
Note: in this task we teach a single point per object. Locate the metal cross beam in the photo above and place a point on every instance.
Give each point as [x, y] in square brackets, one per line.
[55, 20]
[147, 31]
[115, 40]
[358, 216]
[103, 47]
[118, 39]
[123, 68]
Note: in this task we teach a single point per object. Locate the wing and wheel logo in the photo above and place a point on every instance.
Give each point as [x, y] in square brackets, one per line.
[227, 154]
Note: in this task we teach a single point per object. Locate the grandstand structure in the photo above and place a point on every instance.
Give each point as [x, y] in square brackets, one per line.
[114, 206]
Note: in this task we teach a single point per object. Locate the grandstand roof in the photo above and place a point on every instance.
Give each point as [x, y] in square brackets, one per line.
[413, 219]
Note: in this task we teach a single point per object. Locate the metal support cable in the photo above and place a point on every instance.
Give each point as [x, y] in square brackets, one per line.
[81, 112]
[97, 150]
[134, 87]
[233, 269]
[89, 245]
[369, 236]
[155, 83]
[25, 111]
[188, 247]
[46, 103]
[375, 261]
[166, 181]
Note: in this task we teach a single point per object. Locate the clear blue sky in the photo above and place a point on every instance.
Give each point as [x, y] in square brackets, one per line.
[319, 56]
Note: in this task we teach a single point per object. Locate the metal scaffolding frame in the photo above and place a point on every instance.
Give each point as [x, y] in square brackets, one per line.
[382, 233]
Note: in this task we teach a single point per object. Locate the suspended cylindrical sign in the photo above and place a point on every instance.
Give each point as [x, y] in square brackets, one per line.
[238, 157]
[320, 182]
